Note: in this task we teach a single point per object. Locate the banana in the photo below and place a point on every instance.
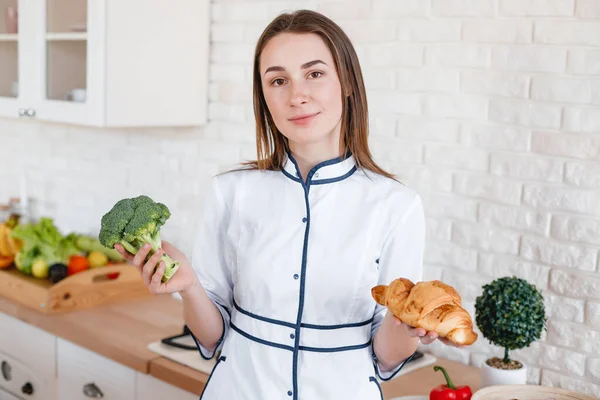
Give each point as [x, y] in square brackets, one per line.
[9, 246]
[5, 250]
[14, 244]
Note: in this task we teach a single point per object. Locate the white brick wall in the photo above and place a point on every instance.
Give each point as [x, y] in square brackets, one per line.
[490, 108]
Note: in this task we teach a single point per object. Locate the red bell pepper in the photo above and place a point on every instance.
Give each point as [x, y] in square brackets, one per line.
[449, 391]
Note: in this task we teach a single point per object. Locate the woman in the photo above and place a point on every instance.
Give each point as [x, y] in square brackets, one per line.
[289, 247]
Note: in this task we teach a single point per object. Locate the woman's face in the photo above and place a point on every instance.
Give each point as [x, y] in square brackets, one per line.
[302, 89]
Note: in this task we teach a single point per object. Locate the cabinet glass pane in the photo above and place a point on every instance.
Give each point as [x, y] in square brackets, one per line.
[66, 50]
[9, 49]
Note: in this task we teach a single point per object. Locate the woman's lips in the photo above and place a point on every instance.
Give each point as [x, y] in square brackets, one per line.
[303, 119]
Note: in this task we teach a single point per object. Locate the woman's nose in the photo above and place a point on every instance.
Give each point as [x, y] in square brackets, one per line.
[299, 94]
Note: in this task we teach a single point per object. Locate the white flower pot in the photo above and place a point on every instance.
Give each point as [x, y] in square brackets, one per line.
[491, 376]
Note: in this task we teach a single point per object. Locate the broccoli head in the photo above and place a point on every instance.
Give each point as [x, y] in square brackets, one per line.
[134, 222]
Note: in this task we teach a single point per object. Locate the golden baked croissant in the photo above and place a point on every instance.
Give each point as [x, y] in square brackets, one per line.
[432, 305]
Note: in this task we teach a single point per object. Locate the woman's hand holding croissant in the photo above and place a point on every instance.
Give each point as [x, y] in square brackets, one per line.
[424, 336]
[430, 310]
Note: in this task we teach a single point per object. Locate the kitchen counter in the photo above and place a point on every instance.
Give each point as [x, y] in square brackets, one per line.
[418, 382]
[119, 331]
[122, 332]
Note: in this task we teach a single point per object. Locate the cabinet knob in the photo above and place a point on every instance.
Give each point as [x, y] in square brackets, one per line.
[93, 391]
[30, 112]
[22, 112]
[27, 388]
[6, 370]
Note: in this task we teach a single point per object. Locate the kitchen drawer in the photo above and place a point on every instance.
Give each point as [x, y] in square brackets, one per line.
[83, 374]
[31, 346]
[17, 379]
[150, 388]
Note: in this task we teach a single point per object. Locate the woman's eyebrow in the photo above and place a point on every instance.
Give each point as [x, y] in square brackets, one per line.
[303, 66]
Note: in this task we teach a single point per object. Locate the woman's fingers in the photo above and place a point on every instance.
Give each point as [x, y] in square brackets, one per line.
[156, 281]
[125, 254]
[429, 337]
[148, 269]
[140, 256]
[416, 332]
[451, 343]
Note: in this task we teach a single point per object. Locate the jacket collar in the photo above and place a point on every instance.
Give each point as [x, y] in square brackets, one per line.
[329, 171]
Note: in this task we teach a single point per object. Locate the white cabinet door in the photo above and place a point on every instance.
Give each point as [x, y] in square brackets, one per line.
[20, 379]
[16, 86]
[83, 374]
[150, 388]
[31, 346]
[105, 63]
[69, 56]
[27, 359]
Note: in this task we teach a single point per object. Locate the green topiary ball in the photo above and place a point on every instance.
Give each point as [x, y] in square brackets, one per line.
[510, 313]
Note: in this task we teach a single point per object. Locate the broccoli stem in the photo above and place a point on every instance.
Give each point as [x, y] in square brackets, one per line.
[154, 241]
[170, 267]
[127, 246]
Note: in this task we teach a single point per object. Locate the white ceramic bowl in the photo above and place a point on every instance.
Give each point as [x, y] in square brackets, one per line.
[527, 392]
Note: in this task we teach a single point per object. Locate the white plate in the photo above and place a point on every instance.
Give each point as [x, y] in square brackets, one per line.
[411, 398]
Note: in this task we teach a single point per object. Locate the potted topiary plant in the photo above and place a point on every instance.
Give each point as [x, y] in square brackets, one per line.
[510, 314]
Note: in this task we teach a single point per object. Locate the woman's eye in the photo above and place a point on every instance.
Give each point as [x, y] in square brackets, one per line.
[278, 82]
[315, 74]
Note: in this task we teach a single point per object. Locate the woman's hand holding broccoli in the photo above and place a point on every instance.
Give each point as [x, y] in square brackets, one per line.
[184, 280]
[132, 227]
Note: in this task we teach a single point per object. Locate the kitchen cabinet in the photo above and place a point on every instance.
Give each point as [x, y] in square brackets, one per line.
[105, 63]
[27, 360]
[37, 365]
[83, 374]
[150, 388]
[29, 345]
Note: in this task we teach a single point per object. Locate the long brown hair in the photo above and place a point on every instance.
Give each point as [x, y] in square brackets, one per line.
[271, 144]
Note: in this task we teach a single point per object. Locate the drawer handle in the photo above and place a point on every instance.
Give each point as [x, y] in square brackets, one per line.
[93, 391]
[27, 388]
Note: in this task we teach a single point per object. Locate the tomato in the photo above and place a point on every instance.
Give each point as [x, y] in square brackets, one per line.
[113, 275]
[77, 264]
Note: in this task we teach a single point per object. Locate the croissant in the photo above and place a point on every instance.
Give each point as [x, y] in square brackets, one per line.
[432, 305]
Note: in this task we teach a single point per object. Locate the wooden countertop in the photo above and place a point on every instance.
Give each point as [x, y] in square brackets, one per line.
[119, 331]
[418, 382]
[122, 332]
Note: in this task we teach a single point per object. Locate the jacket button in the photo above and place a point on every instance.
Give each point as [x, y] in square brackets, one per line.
[296, 276]
[290, 393]
[304, 219]
[292, 336]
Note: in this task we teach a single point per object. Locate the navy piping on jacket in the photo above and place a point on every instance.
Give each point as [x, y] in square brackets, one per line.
[219, 361]
[398, 368]
[301, 348]
[303, 325]
[292, 177]
[306, 187]
[374, 380]
[218, 342]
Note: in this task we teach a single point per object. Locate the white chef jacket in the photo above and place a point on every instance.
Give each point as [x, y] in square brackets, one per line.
[290, 266]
